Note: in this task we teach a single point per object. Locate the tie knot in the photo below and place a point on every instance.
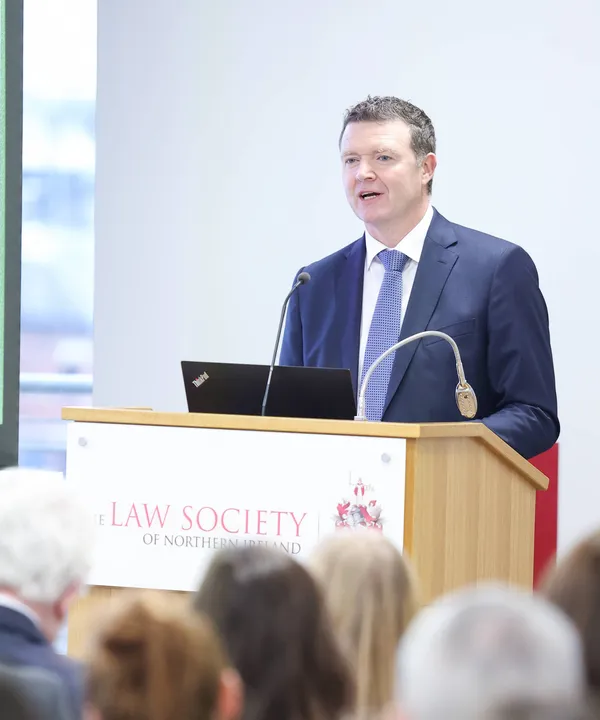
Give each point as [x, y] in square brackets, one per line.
[393, 260]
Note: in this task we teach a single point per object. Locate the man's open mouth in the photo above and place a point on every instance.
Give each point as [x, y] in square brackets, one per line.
[369, 195]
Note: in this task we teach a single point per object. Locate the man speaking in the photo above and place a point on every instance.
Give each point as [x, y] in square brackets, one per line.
[413, 270]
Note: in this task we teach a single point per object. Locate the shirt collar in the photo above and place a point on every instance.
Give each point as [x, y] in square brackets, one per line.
[411, 244]
[13, 603]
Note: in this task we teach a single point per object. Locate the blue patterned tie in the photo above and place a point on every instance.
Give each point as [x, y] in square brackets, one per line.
[384, 332]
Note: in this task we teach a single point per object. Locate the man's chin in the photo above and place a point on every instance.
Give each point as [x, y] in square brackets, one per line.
[373, 218]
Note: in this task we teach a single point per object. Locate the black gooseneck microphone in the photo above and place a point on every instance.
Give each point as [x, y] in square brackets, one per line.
[302, 279]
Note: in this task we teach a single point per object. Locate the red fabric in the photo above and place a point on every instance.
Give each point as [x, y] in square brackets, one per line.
[546, 514]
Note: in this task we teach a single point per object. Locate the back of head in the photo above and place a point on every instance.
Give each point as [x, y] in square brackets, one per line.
[155, 659]
[574, 586]
[45, 535]
[277, 633]
[484, 647]
[370, 593]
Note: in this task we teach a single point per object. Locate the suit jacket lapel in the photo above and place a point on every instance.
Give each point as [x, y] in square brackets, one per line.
[348, 304]
[434, 267]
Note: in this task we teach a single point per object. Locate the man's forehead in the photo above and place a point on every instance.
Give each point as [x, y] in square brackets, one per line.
[375, 137]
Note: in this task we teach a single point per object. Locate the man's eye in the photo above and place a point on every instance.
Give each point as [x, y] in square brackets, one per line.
[349, 161]
[385, 157]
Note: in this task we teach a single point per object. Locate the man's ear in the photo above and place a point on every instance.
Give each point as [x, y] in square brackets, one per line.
[231, 696]
[428, 166]
[61, 606]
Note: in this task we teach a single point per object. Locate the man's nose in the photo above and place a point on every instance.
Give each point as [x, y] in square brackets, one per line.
[364, 172]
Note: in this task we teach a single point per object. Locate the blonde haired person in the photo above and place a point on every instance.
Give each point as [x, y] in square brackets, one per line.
[157, 659]
[371, 595]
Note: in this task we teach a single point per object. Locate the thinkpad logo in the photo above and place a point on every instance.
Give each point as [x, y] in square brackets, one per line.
[200, 379]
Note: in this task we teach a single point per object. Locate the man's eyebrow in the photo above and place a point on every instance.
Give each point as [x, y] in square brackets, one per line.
[377, 151]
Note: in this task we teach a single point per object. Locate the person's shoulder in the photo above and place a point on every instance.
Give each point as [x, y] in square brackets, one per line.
[42, 687]
[35, 652]
[69, 665]
[485, 245]
[330, 263]
[483, 240]
[72, 673]
[69, 670]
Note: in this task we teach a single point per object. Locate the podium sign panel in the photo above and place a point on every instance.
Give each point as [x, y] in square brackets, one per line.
[165, 499]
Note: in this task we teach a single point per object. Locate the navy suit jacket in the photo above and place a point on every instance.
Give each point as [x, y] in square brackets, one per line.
[480, 290]
[23, 644]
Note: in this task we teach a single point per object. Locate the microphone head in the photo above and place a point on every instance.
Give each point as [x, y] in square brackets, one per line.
[466, 400]
[303, 278]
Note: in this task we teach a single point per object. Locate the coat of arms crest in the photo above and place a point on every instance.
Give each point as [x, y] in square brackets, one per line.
[362, 511]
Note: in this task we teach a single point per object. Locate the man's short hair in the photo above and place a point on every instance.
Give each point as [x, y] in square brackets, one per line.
[388, 108]
[45, 535]
[484, 647]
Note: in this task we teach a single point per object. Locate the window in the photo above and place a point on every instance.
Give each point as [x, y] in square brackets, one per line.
[59, 88]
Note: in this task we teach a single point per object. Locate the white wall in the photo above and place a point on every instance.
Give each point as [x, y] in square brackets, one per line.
[218, 176]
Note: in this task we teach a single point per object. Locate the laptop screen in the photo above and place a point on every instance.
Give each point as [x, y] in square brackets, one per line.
[235, 389]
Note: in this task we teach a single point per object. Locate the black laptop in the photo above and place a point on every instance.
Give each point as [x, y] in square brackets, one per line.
[301, 392]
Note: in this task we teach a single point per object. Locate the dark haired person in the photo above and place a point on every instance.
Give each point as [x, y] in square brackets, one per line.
[413, 270]
[277, 633]
[574, 586]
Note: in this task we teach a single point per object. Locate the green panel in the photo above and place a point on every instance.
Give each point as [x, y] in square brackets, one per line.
[2, 196]
[11, 160]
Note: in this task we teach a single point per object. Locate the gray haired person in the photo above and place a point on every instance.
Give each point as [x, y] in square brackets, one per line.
[45, 555]
[483, 648]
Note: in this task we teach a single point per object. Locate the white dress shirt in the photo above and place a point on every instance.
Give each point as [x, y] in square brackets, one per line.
[412, 246]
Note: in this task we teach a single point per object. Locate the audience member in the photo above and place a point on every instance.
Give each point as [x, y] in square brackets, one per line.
[45, 551]
[41, 690]
[278, 635]
[370, 593]
[157, 659]
[13, 703]
[539, 711]
[481, 648]
[574, 586]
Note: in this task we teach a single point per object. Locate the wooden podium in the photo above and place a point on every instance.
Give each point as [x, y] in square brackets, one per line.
[465, 507]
